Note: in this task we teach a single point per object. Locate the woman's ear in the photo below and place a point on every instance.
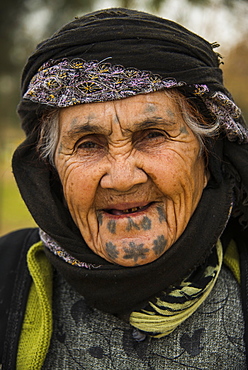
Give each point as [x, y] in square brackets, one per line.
[206, 177]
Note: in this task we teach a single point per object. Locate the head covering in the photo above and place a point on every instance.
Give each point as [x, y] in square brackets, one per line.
[131, 48]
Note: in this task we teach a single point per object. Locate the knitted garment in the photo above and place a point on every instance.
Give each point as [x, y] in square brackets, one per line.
[37, 325]
[231, 259]
[85, 338]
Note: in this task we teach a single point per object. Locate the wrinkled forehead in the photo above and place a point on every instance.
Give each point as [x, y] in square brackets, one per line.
[132, 114]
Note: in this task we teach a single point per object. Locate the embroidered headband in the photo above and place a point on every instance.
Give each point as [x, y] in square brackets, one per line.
[64, 83]
[69, 82]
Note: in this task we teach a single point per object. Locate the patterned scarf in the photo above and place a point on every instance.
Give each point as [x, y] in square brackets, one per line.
[172, 307]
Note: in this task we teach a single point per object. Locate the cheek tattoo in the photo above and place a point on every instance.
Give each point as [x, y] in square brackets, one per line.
[111, 250]
[131, 224]
[159, 245]
[183, 130]
[161, 214]
[112, 226]
[135, 251]
[99, 218]
[145, 224]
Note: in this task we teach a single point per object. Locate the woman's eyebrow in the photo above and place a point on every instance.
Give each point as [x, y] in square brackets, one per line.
[90, 128]
[84, 128]
[154, 122]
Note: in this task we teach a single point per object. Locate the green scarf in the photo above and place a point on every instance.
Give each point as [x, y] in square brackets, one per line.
[172, 307]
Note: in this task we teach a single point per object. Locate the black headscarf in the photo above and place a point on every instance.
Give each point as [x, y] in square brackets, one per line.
[134, 40]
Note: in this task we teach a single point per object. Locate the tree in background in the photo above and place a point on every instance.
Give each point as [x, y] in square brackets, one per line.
[236, 74]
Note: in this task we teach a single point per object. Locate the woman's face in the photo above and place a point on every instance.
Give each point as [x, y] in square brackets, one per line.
[131, 174]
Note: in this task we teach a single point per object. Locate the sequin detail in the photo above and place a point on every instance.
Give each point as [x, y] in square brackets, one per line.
[53, 246]
[69, 82]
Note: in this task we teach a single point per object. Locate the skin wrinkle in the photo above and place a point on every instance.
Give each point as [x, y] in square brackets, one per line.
[60, 148]
[139, 161]
[116, 119]
[156, 122]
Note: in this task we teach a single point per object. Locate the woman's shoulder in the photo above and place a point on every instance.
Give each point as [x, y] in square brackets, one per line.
[18, 236]
[14, 246]
[14, 280]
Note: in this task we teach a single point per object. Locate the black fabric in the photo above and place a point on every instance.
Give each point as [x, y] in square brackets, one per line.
[236, 232]
[236, 163]
[243, 250]
[15, 283]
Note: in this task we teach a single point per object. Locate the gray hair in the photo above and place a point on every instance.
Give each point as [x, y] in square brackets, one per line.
[49, 131]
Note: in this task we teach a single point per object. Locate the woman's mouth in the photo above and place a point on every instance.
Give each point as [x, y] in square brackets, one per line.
[126, 211]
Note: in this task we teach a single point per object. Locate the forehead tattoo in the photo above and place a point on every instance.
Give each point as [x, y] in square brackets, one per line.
[150, 108]
[170, 113]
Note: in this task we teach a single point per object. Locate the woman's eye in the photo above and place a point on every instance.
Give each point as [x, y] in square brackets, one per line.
[155, 134]
[88, 145]
[91, 142]
[150, 138]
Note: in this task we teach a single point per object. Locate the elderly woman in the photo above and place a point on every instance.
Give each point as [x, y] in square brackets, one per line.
[135, 171]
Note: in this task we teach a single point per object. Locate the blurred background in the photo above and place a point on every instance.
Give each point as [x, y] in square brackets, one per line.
[24, 23]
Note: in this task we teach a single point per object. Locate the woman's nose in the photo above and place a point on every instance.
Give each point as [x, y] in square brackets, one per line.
[122, 175]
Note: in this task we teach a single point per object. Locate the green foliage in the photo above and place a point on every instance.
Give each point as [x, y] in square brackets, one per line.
[10, 16]
[13, 212]
[199, 2]
[156, 4]
[236, 74]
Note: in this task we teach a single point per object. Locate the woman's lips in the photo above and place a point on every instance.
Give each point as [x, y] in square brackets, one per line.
[123, 210]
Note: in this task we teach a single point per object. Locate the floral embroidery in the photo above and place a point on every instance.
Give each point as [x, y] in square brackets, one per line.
[60, 252]
[69, 82]
[227, 113]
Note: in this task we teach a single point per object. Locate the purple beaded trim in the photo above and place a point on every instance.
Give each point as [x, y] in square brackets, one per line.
[69, 82]
[227, 114]
[53, 246]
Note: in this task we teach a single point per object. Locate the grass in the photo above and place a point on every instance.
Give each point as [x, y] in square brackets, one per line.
[13, 212]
